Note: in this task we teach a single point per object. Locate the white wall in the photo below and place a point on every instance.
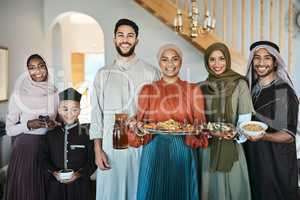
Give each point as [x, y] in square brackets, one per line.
[296, 66]
[87, 38]
[84, 38]
[296, 59]
[22, 32]
[56, 58]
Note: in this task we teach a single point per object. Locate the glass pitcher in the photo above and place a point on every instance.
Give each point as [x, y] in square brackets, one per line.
[120, 140]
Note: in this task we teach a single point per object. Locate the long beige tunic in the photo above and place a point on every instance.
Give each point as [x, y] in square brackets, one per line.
[116, 88]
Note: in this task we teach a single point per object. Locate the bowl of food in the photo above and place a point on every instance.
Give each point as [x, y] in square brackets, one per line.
[253, 128]
[65, 174]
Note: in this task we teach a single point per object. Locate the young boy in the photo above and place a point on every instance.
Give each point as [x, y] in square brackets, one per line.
[68, 147]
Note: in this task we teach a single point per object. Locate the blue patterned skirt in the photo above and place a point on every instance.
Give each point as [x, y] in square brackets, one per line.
[168, 170]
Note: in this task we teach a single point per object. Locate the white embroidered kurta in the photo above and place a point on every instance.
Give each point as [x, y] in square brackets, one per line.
[28, 101]
[116, 89]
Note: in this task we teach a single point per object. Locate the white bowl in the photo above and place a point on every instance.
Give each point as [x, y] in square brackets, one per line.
[65, 174]
[253, 133]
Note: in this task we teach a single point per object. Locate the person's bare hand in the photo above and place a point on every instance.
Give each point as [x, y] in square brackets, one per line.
[101, 159]
[256, 138]
[132, 122]
[35, 124]
[51, 124]
[55, 174]
[74, 177]
[229, 135]
[192, 141]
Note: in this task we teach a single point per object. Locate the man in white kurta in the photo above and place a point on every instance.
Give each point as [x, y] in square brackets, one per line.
[116, 88]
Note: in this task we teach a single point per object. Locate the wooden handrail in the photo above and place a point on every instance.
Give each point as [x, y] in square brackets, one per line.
[166, 11]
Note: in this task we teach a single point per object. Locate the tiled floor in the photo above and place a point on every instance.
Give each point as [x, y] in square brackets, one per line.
[3, 180]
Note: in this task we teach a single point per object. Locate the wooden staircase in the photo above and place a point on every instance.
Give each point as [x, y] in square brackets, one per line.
[239, 23]
[166, 11]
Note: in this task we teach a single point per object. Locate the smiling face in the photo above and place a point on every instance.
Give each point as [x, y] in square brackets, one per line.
[170, 64]
[37, 70]
[69, 111]
[263, 63]
[125, 40]
[217, 62]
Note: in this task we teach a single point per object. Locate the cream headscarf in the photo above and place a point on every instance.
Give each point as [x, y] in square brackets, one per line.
[165, 47]
[28, 93]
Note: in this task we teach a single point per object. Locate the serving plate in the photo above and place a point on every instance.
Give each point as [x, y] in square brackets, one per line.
[170, 132]
[169, 127]
[216, 126]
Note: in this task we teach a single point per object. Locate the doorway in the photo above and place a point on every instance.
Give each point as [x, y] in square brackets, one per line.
[77, 54]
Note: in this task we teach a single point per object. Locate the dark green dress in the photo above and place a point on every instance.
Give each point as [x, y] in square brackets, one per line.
[232, 185]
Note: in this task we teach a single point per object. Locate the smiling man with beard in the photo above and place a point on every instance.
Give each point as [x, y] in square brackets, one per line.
[271, 157]
[115, 91]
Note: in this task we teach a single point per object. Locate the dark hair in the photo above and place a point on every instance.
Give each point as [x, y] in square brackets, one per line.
[275, 64]
[127, 22]
[35, 56]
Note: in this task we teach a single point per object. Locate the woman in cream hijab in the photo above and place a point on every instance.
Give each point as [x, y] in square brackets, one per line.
[31, 111]
[168, 167]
